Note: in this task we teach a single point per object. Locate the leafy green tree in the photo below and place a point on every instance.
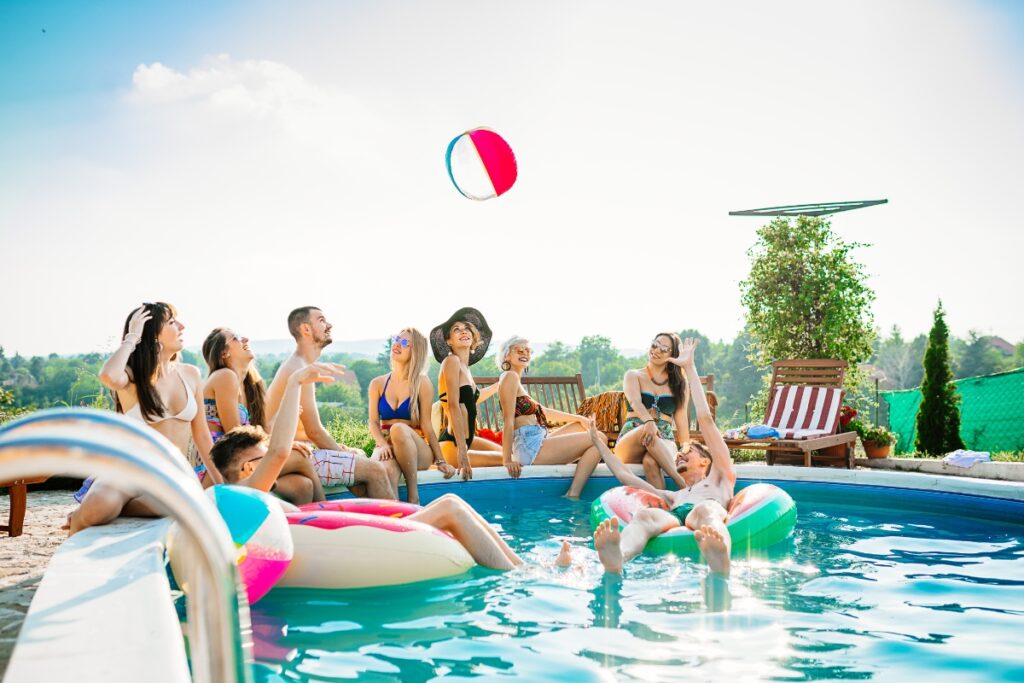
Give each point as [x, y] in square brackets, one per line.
[938, 418]
[979, 358]
[806, 296]
[901, 360]
[598, 361]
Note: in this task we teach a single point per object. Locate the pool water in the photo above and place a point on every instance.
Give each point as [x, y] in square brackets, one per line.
[875, 583]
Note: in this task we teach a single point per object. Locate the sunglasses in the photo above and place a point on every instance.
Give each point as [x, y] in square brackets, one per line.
[236, 337]
[400, 340]
[660, 347]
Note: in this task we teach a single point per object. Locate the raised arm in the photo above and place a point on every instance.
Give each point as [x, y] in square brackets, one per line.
[285, 424]
[113, 374]
[722, 461]
[621, 472]
[682, 418]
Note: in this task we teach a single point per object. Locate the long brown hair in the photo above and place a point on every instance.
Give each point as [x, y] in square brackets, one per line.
[417, 369]
[255, 391]
[676, 381]
[145, 360]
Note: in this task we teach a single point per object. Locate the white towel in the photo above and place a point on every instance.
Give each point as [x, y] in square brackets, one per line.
[962, 458]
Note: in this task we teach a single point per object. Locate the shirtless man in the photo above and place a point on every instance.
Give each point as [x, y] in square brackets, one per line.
[245, 457]
[335, 463]
[702, 506]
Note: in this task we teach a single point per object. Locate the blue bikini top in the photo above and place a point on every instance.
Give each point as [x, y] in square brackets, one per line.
[386, 412]
[665, 403]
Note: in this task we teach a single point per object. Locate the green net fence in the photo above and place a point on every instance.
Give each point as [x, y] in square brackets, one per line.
[991, 412]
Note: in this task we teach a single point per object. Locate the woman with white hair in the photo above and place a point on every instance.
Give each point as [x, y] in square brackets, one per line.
[527, 438]
[399, 405]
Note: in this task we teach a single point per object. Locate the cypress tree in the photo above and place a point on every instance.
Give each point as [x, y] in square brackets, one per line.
[938, 418]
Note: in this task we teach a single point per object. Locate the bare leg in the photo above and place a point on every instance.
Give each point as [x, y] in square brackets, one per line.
[646, 524]
[712, 536]
[452, 514]
[569, 428]
[663, 453]
[652, 472]
[562, 450]
[103, 504]
[584, 468]
[403, 440]
[298, 463]
[375, 477]
[296, 488]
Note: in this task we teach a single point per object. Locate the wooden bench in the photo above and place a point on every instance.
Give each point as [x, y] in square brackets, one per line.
[568, 395]
[18, 491]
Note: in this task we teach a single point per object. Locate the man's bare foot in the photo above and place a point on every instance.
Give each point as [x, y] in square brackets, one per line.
[714, 548]
[564, 558]
[606, 541]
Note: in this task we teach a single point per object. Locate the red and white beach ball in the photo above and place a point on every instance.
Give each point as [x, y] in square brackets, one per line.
[481, 164]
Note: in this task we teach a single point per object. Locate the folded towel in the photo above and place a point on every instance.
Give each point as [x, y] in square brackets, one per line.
[962, 458]
[762, 432]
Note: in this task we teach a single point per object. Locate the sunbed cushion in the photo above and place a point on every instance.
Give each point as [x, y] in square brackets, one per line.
[804, 412]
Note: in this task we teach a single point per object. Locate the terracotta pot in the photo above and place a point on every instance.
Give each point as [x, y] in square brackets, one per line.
[873, 450]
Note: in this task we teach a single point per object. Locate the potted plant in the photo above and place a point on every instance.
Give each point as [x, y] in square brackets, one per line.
[877, 440]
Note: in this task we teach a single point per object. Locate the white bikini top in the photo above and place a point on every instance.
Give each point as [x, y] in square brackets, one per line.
[186, 415]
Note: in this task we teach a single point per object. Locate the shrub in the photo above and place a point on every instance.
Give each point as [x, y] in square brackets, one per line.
[351, 432]
[938, 418]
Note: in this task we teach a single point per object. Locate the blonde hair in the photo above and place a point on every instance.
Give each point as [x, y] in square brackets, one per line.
[417, 369]
[477, 339]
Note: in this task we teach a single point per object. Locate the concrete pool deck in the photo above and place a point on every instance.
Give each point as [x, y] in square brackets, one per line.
[23, 559]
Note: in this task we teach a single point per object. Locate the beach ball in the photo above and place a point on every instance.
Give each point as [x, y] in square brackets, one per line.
[481, 164]
[259, 529]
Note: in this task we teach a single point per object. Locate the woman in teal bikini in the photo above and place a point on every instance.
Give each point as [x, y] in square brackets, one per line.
[657, 417]
[406, 442]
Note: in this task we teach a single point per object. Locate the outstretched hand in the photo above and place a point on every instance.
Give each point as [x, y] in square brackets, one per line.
[686, 350]
[315, 372]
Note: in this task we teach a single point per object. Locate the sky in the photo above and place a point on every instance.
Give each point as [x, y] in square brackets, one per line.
[239, 159]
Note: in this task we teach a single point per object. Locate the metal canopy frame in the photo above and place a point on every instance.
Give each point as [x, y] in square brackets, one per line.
[821, 209]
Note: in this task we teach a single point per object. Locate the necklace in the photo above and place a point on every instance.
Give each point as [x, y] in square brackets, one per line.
[660, 384]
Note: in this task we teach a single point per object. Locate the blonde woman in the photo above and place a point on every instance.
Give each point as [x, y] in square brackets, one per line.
[399, 404]
[526, 437]
[458, 343]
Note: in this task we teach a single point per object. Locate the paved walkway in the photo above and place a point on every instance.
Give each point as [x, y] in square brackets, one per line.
[23, 559]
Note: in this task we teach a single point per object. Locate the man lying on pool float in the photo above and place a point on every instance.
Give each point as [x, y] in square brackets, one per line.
[244, 456]
[701, 506]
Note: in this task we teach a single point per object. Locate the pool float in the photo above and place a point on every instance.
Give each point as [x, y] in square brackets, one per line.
[760, 515]
[359, 543]
[259, 529]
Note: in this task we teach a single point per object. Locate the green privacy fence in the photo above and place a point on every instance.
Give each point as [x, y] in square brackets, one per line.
[991, 412]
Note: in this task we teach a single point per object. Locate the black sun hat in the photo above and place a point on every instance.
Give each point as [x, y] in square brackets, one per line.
[439, 335]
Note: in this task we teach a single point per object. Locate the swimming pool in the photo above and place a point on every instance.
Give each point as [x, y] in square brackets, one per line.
[876, 583]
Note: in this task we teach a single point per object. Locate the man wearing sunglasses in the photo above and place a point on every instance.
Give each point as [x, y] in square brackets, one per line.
[336, 463]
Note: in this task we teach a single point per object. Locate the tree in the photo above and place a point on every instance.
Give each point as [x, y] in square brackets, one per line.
[597, 358]
[979, 358]
[900, 360]
[806, 296]
[938, 418]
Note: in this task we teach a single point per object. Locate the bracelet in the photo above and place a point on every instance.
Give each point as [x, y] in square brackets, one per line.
[651, 420]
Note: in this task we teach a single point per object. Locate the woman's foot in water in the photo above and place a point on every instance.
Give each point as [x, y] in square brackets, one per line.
[606, 541]
[713, 547]
[564, 558]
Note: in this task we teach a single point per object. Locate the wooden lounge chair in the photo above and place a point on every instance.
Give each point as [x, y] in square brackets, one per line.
[803, 406]
[18, 491]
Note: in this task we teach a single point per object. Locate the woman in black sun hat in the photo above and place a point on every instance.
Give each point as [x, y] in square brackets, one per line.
[459, 342]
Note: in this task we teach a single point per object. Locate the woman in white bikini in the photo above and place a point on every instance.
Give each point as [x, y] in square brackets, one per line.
[657, 416]
[399, 406]
[152, 386]
[701, 503]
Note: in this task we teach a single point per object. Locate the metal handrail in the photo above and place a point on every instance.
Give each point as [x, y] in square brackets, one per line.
[217, 609]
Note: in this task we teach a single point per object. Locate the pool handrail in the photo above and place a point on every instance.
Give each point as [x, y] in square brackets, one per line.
[217, 608]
